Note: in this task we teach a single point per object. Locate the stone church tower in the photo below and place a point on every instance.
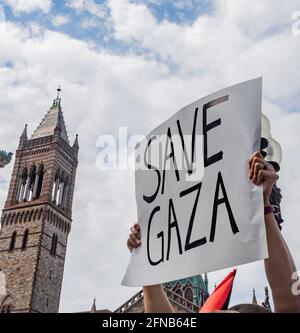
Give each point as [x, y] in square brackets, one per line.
[37, 217]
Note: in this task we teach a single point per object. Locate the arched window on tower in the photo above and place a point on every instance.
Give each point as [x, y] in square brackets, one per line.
[25, 240]
[60, 189]
[30, 183]
[188, 294]
[179, 292]
[39, 181]
[12, 243]
[55, 188]
[22, 185]
[29, 192]
[53, 245]
[64, 200]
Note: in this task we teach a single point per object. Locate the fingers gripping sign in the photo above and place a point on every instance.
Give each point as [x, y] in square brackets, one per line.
[262, 173]
[134, 239]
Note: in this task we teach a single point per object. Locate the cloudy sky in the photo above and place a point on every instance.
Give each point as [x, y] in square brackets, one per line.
[134, 64]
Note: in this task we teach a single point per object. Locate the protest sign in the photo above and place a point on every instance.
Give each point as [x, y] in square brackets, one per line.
[197, 208]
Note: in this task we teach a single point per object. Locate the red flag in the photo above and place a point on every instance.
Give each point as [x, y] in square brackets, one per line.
[219, 299]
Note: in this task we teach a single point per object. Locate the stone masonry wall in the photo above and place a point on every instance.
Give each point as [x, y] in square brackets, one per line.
[18, 265]
[34, 276]
[50, 270]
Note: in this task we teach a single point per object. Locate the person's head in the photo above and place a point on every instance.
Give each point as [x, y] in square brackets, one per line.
[248, 308]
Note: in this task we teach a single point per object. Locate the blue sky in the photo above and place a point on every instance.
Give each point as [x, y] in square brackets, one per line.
[91, 21]
[134, 64]
[181, 12]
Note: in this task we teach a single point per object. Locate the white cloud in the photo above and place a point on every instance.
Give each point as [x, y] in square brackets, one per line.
[90, 6]
[60, 20]
[29, 6]
[103, 89]
[212, 43]
[262, 17]
[131, 21]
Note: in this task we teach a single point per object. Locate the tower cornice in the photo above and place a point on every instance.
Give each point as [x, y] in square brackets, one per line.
[42, 204]
[47, 142]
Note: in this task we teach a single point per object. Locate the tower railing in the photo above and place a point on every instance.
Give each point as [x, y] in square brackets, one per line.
[131, 302]
[33, 143]
[183, 302]
[175, 298]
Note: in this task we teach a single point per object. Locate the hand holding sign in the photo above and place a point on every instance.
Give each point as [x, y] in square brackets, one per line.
[134, 239]
[197, 209]
[261, 172]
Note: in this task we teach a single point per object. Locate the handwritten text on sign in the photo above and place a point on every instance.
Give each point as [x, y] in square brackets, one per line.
[197, 209]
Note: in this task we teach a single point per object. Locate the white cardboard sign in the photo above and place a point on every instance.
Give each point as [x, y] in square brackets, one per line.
[197, 208]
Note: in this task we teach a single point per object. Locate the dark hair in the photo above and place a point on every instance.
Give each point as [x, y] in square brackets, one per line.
[249, 308]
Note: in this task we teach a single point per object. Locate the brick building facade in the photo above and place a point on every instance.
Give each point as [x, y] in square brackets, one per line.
[37, 217]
